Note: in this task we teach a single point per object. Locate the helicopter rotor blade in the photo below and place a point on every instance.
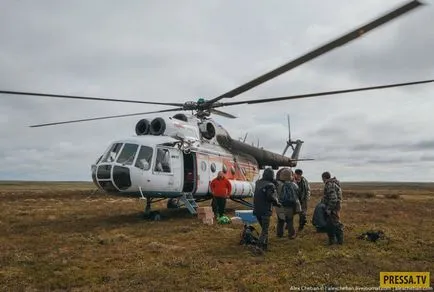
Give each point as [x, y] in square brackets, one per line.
[87, 98]
[264, 100]
[320, 51]
[103, 118]
[223, 114]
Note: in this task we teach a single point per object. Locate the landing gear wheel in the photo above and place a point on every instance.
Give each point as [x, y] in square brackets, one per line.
[155, 216]
[172, 203]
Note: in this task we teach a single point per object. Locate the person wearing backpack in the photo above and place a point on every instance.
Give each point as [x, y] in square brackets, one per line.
[332, 200]
[265, 197]
[287, 192]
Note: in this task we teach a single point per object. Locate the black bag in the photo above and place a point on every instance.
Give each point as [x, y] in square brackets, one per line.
[249, 235]
[319, 218]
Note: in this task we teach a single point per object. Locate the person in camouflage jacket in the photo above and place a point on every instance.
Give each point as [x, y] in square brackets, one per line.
[332, 200]
[304, 196]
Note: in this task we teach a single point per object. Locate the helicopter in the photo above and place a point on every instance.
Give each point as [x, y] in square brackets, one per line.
[176, 157]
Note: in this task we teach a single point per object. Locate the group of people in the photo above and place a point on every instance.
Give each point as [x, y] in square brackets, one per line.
[288, 193]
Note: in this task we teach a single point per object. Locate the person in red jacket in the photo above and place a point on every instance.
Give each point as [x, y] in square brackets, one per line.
[221, 189]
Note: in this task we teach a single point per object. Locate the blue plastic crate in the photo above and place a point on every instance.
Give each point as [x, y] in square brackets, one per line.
[246, 215]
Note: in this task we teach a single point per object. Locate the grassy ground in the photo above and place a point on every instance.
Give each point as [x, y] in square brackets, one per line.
[64, 236]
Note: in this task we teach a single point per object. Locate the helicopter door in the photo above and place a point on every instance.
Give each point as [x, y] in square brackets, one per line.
[167, 169]
[203, 176]
[189, 173]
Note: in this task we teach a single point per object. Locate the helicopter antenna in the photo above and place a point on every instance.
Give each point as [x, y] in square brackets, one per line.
[289, 128]
[243, 139]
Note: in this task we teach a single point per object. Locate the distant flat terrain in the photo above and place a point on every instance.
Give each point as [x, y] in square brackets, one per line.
[67, 236]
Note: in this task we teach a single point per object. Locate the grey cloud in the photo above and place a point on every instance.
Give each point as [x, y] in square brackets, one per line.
[418, 146]
[398, 52]
[427, 158]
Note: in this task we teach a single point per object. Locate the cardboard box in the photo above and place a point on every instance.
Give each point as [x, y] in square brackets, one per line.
[205, 215]
[201, 210]
[208, 221]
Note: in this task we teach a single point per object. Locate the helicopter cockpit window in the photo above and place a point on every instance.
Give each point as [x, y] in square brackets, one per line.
[127, 154]
[162, 163]
[144, 158]
[110, 156]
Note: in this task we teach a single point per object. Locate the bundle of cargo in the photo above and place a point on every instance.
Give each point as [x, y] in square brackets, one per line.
[206, 215]
[246, 215]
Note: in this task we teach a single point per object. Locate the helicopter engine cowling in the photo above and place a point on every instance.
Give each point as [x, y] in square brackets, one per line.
[207, 130]
[158, 126]
[143, 127]
[174, 127]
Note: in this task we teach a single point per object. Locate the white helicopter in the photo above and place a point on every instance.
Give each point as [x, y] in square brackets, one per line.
[175, 158]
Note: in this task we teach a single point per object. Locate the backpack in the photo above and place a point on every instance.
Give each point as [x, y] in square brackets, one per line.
[287, 195]
[319, 219]
[249, 235]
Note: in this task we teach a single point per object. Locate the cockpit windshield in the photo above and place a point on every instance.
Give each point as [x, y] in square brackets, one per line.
[127, 154]
[111, 154]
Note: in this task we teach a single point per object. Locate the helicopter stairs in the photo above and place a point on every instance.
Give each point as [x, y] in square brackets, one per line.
[189, 202]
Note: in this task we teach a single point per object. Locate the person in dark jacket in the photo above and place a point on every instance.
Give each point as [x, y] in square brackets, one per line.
[265, 197]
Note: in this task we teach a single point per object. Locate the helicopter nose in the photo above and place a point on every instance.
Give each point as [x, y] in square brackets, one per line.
[113, 178]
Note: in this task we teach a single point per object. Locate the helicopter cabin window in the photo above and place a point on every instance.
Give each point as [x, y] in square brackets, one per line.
[162, 162]
[144, 158]
[110, 156]
[203, 165]
[127, 154]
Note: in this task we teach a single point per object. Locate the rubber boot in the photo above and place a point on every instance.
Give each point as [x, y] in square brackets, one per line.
[331, 233]
[279, 228]
[340, 234]
[302, 223]
[292, 234]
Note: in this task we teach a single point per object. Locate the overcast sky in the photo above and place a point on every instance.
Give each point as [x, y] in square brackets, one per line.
[175, 51]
